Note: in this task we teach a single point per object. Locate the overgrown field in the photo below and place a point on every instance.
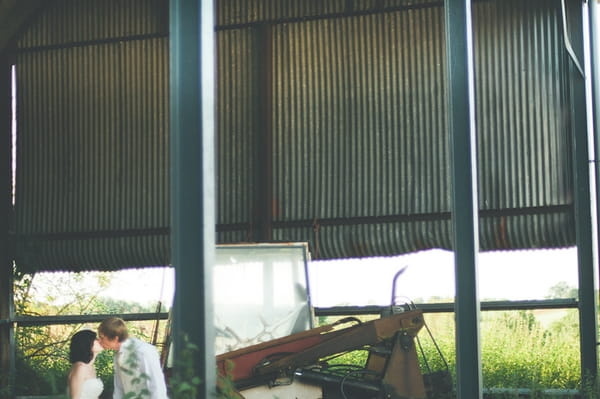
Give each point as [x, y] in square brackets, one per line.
[537, 351]
[519, 349]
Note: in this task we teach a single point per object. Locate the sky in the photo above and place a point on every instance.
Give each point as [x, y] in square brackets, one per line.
[515, 275]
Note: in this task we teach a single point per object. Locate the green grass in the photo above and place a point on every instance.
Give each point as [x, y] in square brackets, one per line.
[517, 350]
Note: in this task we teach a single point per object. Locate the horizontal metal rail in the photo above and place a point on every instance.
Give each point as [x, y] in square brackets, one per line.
[527, 393]
[28, 321]
[448, 307]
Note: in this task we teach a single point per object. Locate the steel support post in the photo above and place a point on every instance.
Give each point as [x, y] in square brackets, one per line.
[584, 198]
[6, 274]
[192, 121]
[461, 123]
[594, 33]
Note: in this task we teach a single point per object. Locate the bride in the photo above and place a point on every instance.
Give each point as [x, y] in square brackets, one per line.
[83, 383]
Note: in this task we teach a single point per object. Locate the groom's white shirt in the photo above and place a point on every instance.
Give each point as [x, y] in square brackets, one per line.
[137, 368]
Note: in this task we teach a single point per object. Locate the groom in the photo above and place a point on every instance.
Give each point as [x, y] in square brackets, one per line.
[137, 367]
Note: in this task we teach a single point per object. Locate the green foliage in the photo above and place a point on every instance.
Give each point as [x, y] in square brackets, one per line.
[517, 351]
[42, 361]
[591, 387]
[185, 382]
[226, 388]
[357, 358]
[112, 306]
[562, 290]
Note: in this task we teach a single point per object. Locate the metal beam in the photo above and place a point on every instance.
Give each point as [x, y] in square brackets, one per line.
[192, 77]
[594, 17]
[262, 229]
[448, 307]
[6, 291]
[461, 124]
[594, 32]
[584, 199]
[28, 321]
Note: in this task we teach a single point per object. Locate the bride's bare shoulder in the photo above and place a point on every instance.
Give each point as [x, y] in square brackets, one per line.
[81, 370]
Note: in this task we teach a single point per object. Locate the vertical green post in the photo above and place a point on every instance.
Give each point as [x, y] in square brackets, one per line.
[594, 32]
[192, 76]
[461, 110]
[7, 361]
[585, 220]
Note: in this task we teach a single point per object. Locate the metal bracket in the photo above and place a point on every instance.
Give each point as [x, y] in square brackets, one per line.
[567, 41]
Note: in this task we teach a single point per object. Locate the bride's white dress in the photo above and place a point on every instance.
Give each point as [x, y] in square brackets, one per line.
[91, 388]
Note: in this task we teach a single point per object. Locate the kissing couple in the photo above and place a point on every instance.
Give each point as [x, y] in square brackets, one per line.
[136, 364]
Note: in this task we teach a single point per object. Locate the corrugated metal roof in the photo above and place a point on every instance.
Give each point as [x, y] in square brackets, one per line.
[331, 122]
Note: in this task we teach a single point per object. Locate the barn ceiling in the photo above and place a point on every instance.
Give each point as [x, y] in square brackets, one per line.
[14, 16]
[331, 129]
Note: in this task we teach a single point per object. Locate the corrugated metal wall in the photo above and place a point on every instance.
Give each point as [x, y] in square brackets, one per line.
[92, 161]
[360, 119]
[358, 129]
[349, 97]
[524, 151]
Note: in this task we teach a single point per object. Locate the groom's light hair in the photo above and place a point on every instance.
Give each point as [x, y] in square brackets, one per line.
[113, 327]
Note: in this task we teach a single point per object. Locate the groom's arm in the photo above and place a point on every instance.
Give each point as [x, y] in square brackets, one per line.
[118, 384]
[155, 382]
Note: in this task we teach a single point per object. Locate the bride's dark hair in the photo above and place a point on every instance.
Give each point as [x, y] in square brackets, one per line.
[80, 349]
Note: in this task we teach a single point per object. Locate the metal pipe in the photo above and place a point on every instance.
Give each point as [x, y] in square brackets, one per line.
[325, 378]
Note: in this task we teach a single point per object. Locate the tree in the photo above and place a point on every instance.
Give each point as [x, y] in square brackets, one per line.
[562, 290]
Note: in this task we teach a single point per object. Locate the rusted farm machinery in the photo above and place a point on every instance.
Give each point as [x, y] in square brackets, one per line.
[297, 366]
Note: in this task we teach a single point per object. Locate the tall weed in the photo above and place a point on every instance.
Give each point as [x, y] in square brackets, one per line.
[517, 351]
